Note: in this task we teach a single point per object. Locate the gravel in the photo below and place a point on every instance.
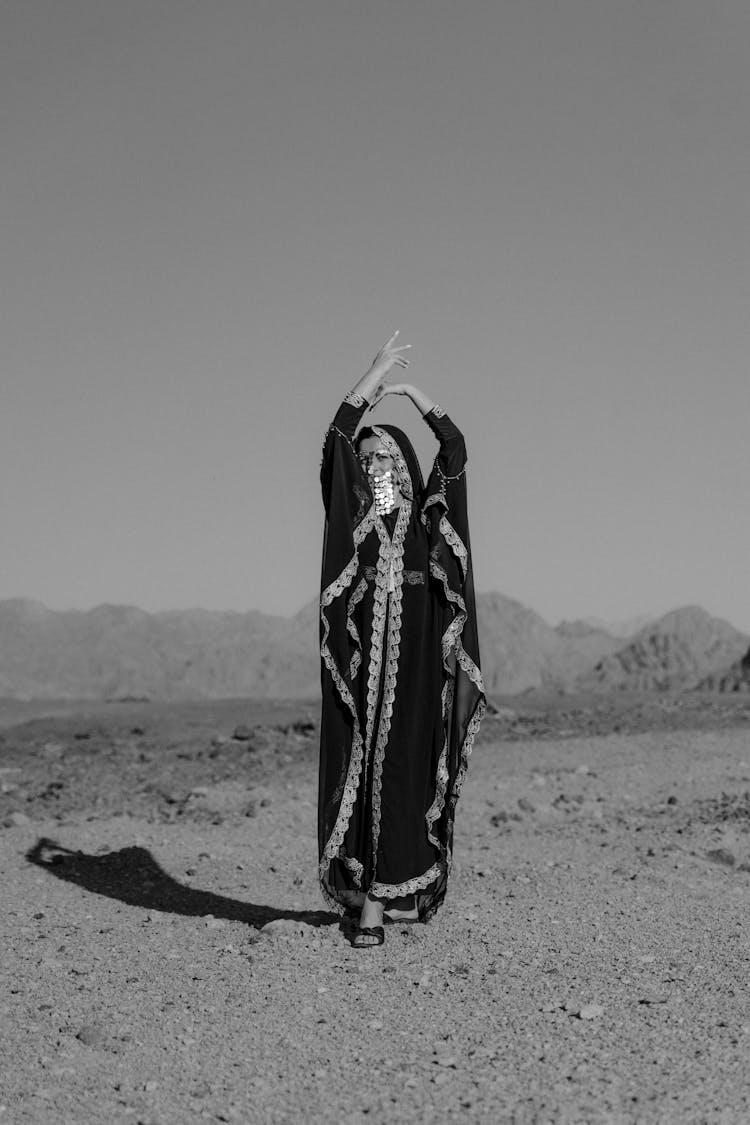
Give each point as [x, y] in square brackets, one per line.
[590, 963]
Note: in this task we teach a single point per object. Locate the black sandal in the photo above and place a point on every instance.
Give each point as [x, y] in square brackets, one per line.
[376, 932]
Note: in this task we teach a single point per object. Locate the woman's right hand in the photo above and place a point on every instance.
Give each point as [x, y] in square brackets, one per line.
[388, 357]
[371, 385]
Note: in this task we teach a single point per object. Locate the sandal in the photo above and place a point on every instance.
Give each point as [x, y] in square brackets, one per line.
[376, 932]
[390, 921]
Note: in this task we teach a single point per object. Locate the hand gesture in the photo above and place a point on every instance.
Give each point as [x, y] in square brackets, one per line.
[391, 389]
[389, 356]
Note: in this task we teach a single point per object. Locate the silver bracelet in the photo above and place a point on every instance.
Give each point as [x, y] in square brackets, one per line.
[355, 399]
[437, 411]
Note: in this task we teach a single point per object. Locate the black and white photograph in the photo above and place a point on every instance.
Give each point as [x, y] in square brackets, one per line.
[374, 582]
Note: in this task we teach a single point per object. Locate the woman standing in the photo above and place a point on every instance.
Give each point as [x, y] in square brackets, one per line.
[402, 691]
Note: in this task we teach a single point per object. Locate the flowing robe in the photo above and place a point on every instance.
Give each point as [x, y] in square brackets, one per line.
[402, 693]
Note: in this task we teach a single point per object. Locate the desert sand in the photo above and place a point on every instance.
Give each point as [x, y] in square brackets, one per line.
[167, 957]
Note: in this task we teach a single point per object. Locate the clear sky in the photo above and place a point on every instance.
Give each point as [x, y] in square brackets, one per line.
[212, 214]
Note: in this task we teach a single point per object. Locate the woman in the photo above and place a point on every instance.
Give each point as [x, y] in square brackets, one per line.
[402, 691]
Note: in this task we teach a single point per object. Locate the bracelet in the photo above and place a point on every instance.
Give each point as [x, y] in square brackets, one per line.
[437, 411]
[354, 399]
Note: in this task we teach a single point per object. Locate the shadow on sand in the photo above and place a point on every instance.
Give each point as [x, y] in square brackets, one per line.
[133, 876]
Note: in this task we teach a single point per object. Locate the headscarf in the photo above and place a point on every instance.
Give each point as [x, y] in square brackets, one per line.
[406, 464]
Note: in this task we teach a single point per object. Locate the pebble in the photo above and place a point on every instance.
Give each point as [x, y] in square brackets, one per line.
[591, 1012]
[286, 927]
[721, 855]
[91, 1036]
[214, 923]
[17, 820]
[242, 733]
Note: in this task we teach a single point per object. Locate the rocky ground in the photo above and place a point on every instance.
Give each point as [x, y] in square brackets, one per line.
[166, 958]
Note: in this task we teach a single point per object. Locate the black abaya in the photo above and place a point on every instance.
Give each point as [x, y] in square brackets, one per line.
[401, 686]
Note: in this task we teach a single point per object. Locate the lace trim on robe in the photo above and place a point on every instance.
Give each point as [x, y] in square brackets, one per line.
[354, 772]
[456, 544]
[354, 866]
[357, 595]
[390, 579]
[402, 471]
[451, 642]
[451, 636]
[441, 774]
[396, 890]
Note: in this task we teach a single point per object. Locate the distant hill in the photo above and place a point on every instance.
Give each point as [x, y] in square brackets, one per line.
[735, 678]
[120, 652]
[678, 651]
[521, 651]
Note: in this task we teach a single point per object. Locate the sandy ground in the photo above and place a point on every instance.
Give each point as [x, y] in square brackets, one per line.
[166, 958]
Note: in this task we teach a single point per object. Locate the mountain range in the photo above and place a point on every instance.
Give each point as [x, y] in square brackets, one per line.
[120, 652]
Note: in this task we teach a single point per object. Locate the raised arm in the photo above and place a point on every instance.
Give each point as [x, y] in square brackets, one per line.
[451, 459]
[339, 441]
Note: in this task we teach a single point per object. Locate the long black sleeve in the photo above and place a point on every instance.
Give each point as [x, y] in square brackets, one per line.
[452, 456]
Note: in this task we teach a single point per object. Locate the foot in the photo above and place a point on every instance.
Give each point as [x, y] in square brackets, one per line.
[371, 918]
[402, 910]
[393, 914]
[353, 900]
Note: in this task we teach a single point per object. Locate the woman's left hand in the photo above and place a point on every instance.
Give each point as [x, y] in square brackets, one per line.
[392, 389]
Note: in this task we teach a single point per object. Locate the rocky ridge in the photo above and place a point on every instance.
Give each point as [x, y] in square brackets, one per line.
[121, 652]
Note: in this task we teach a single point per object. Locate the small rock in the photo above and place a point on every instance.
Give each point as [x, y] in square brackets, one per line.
[151, 1085]
[242, 733]
[17, 820]
[591, 1012]
[91, 1036]
[526, 805]
[214, 923]
[572, 1007]
[654, 998]
[286, 927]
[721, 855]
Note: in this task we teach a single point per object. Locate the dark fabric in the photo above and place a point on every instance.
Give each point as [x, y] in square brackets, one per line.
[395, 736]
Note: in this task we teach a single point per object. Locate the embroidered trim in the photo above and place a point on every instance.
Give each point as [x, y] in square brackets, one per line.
[390, 579]
[357, 595]
[454, 541]
[451, 636]
[355, 399]
[437, 410]
[468, 746]
[414, 577]
[396, 890]
[435, 498]
[402, 471]
[441, 776]
[354, 866]
[354, 772]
